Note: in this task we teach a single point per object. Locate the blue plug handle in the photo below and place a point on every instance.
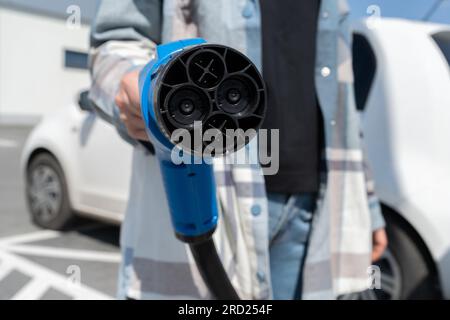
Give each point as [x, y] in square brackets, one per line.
[192, 200]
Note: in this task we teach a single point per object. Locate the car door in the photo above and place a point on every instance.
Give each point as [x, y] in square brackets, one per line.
[104, 161]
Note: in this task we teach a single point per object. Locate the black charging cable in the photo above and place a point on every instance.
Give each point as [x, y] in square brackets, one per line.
[212, 270]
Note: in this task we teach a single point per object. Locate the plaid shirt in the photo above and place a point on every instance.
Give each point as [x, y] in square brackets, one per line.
[155, 264]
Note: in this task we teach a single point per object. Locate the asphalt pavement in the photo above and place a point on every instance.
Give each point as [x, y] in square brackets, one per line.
[36, 264]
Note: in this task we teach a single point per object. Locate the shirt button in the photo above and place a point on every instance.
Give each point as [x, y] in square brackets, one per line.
[249, 9]
[325, 15]
[261, 276]
[333, 122]
[256, 210]
[325, 72]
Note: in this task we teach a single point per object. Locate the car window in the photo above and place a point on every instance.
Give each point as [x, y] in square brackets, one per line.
[364, 68]
[443, 41]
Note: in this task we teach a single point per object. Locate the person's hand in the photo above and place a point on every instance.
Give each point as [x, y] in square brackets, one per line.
[128, 101]
[379, 243]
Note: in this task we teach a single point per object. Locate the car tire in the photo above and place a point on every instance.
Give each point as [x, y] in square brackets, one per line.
[418, 273]
[46, 193]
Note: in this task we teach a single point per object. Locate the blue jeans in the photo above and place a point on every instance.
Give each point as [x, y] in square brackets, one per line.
[290, 219]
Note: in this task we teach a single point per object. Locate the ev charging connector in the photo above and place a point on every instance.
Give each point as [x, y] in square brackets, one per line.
[189, 82]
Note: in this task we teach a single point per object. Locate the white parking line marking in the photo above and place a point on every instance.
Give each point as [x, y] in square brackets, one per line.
[43, 235]
[54, 280]
[63, 253]
[33, 290]
[29, 237]
[5, 269]
[6, 143]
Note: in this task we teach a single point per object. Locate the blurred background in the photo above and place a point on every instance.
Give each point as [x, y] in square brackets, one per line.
[60, 206]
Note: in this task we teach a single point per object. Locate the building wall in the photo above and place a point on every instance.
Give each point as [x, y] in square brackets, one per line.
[34, 80]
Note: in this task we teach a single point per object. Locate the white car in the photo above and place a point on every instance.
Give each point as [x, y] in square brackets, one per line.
[76, 163]
[402, 76]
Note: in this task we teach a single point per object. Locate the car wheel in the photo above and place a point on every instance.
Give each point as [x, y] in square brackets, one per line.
[46, 191]
[390, 284]
[419, 276]
[406, 269]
